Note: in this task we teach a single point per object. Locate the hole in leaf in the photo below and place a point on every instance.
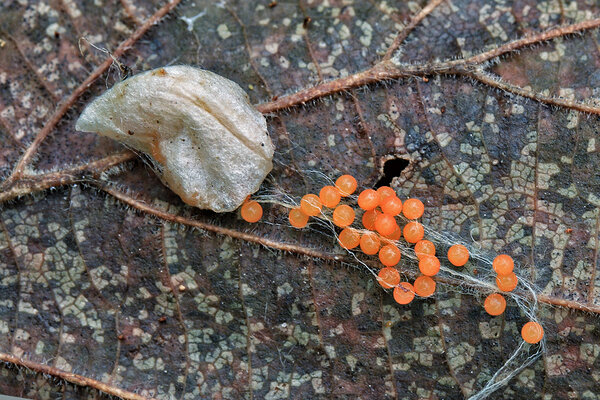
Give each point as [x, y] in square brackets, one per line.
[392, 168]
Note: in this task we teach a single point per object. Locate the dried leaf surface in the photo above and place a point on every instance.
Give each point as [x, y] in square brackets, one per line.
[103, 282]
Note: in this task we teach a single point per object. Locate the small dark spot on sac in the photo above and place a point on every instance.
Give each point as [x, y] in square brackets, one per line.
[443, 109]
[129, 132]
[157, 121]
[125, 70]
[56, 34]
[160, 72]
[262, 144]
[306, 22]
[391, 169]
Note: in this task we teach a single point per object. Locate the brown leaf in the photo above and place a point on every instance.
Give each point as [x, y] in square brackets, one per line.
[109, 282]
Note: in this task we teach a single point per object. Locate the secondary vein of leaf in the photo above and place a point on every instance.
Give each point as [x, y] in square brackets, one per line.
[19, 184]
[403, 34]
[72, 378]
[29, 184]
[302, 250]
[68, 103]
[389, 69]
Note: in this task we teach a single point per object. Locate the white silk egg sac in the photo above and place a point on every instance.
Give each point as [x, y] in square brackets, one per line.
[209, 144]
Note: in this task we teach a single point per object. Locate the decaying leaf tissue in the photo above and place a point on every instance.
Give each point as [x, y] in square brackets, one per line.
[467, 269]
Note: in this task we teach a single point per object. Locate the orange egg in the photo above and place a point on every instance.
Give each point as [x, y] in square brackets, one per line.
[396, 235]
[494, 304]
[384, 192]
[424, 248]
[388, 277]
[368, 199]
[458, 255]
[370, 243]
[330, 196]
[503, 264]
[297, 218]
[389, 255]
[311, 205]
[532, 332]
[385, 224]
[413, 208]
[391, 206]
[413, 232]
[251, 211]
[404, 293]
[368, 219]
[346, 184]
[349, 238]
[343, 216]
[429, 265]
[507, 283]
[424, 286]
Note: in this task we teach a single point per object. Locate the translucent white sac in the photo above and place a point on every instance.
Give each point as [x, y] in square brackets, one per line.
[209, 144]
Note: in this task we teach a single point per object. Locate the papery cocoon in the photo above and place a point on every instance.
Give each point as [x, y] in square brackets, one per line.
[210, 144]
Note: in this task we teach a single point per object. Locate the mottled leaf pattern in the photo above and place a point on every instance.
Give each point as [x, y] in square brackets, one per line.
[110, 285]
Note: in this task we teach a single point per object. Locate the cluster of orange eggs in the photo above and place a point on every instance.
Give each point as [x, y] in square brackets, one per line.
[381, 210]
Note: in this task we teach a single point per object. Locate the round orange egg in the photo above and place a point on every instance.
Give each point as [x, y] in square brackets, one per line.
[507, 283]
[297, 218]
[388, 277]
[389, 255]
[251, 211]
[349, 238]
[404, 293]
[368, 199]
[343, 216]
[385, 224]
[458, 255]
[370, 243]
[391, 205]
[368, 219]
[503, 264]
[424, 286]
[429, 265]
[330, 196]
[396, 235]
[413, 232]
[495, 304]
[346, 185]
[413, 208]
[385, 192]
[424, 248]
[311, 205]
[532, 332]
